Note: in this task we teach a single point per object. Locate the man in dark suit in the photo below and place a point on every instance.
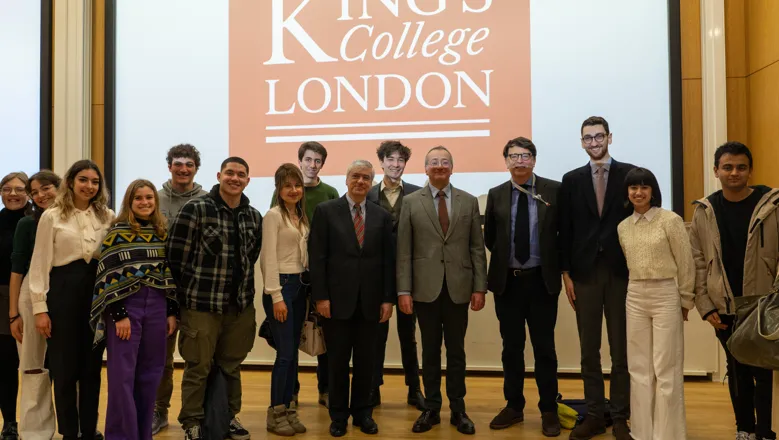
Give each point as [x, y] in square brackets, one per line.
[592, 203]
[351, 259]
[520, 230]
[442, 268]
[389, 195]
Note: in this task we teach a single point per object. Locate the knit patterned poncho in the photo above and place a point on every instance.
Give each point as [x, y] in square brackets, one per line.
[128, 260]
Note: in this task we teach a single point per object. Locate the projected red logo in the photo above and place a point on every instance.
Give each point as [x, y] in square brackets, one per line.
[353, 73]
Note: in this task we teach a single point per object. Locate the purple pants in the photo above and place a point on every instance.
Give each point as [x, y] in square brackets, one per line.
[135, 366]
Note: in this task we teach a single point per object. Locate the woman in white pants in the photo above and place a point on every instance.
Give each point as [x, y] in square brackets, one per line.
[36, 421]
[660, 294]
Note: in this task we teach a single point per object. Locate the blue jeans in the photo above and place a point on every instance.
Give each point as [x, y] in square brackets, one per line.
[286, 336]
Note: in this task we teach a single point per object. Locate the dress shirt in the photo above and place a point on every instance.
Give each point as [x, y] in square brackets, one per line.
[351, 207]
[606, 166]
[392, 194]
[448, 191]
[535, 243]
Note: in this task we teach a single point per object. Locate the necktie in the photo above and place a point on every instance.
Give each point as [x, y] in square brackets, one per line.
[443, 214]
[359, 224]
[522, 230]
[600, 187]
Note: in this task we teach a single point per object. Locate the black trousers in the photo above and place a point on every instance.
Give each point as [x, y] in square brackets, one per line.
[750, 390]
[74, 364]
[9, 377]
[443, 320]
[603, 293]
[354, 339]
[407, 334]
[526, 300]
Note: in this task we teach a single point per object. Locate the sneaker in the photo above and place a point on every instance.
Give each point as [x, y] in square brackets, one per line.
[237, 431]
[158, 422]
[324, 400]
[193, 433]
[741, 435]
[10, 431]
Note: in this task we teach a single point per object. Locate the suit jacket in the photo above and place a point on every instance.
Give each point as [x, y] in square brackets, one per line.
[425, 255]
[497, 234]
[585, 235]
[344, 273]
[375, 193]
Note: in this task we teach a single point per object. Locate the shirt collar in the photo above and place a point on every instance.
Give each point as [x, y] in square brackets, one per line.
[383, 187]
[447, 190]
[531, 183]
[606, 165]
[649, 215]
[352, 203]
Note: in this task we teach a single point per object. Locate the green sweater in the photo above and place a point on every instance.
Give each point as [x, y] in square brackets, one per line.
[314, 196]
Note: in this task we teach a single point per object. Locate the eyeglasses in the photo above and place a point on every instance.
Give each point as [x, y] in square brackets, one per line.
[517, 156]
[600, 137]
[439, 163]
[7, 190]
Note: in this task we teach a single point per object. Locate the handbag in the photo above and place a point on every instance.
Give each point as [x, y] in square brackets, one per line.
[312, 338]
[265, 333]
[755, 336]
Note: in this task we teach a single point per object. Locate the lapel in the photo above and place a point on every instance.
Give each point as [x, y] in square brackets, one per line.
[346, 217]
[455, 214]
[541, 207]
[613, 186]
[504, 202]
[373, 194]
[427, 204]
[589, 189]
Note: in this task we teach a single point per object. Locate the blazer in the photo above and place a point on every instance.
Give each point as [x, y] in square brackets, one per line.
[497, 234]
[583, 233]
[375, 193]
[344, 273]
[426, 256]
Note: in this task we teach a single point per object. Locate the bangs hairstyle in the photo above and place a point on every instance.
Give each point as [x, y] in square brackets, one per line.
[65, 200]
[126, 214]
[642, 176]
[290, 172]
[520, 142]
[43, 177]
[388, 148]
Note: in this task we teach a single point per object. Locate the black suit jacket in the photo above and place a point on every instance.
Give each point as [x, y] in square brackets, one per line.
[583, 234]
[497, 234]
[373, 196]
[341, 271]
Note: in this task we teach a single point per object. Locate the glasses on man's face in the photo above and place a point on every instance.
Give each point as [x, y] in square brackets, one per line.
[599, 138]
[515, 157]
[7, 190]
[439, 163]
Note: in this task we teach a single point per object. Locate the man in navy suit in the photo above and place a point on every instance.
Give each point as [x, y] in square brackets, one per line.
[389, 194]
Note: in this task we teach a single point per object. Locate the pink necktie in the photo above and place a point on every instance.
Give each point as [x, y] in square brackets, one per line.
[359, 225]
[600, 187]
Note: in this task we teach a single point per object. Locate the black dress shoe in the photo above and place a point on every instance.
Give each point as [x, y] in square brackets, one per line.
[550, 424]
[426, 421]
[463, 423]
[416, 398]
[367, 425]
[338, 429]
[375, 399]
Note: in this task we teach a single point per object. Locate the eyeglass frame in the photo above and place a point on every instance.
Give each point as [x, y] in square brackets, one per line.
[604, 136]
[524, 156]
[7, 190]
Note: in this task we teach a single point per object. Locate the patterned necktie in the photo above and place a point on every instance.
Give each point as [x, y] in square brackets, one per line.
[359, 224]
[600, 187]
[443, 214]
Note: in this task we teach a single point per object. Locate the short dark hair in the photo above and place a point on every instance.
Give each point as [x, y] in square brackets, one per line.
[234, 159]
[184, 150]
[314, 146]
[733, 148]
[388, 148]
[520, 142]
[595, 120]
[642, 176]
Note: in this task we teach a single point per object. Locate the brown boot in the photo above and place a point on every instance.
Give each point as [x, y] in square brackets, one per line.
[588, 428]
[277, 421]
[292, 418]
[550, 424]
[621, 430]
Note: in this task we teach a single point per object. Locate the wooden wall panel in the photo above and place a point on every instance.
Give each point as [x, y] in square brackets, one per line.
[692, 116]
[735, 38]
[763, 127]
[762, 33]
[98, 82]
[738, 109]
[690, 11]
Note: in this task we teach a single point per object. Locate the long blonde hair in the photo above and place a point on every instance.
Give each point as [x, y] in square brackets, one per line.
[288, 171]
[65, 201]
[126, 214]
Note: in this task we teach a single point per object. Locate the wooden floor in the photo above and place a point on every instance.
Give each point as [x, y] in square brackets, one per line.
[709, 414]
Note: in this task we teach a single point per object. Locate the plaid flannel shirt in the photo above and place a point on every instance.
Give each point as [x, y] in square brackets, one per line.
[201, 252]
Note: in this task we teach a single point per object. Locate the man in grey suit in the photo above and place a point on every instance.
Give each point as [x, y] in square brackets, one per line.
[389, 194]
[441, 268]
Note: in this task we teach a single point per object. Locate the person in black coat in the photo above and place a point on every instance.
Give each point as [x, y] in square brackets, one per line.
[352, 265]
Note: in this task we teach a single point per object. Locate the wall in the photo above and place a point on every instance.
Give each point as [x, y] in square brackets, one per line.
[692, 103]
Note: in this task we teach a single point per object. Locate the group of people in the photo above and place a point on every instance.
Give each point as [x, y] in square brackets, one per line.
[178, 266]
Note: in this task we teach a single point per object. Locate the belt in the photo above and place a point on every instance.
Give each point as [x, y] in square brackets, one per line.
[522, 272]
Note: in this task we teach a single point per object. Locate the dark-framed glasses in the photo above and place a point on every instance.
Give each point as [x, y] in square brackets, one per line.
[600, 137]
[520, 156]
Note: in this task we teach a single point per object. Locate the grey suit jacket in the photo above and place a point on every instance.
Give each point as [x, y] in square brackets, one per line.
[425, 255]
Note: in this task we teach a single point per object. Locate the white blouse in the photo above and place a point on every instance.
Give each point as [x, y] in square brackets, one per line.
[284, 251]
[59, 242]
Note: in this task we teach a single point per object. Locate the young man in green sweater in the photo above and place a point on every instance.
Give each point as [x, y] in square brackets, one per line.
[311, 159]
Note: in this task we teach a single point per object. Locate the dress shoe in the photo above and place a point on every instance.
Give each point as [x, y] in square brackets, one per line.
[416, 398]
[375, 399]
[338, 429]
[550, 424]
[621, 430]
[463, 423]
[426, 421]
[367, 425]
[588, 428]
[506, 418]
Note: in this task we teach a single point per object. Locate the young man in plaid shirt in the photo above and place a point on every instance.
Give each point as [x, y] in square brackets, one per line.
[212, 247]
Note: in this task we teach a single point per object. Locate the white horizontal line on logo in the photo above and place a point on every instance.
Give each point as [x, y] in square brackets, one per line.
[377, 136]
[379, 124]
